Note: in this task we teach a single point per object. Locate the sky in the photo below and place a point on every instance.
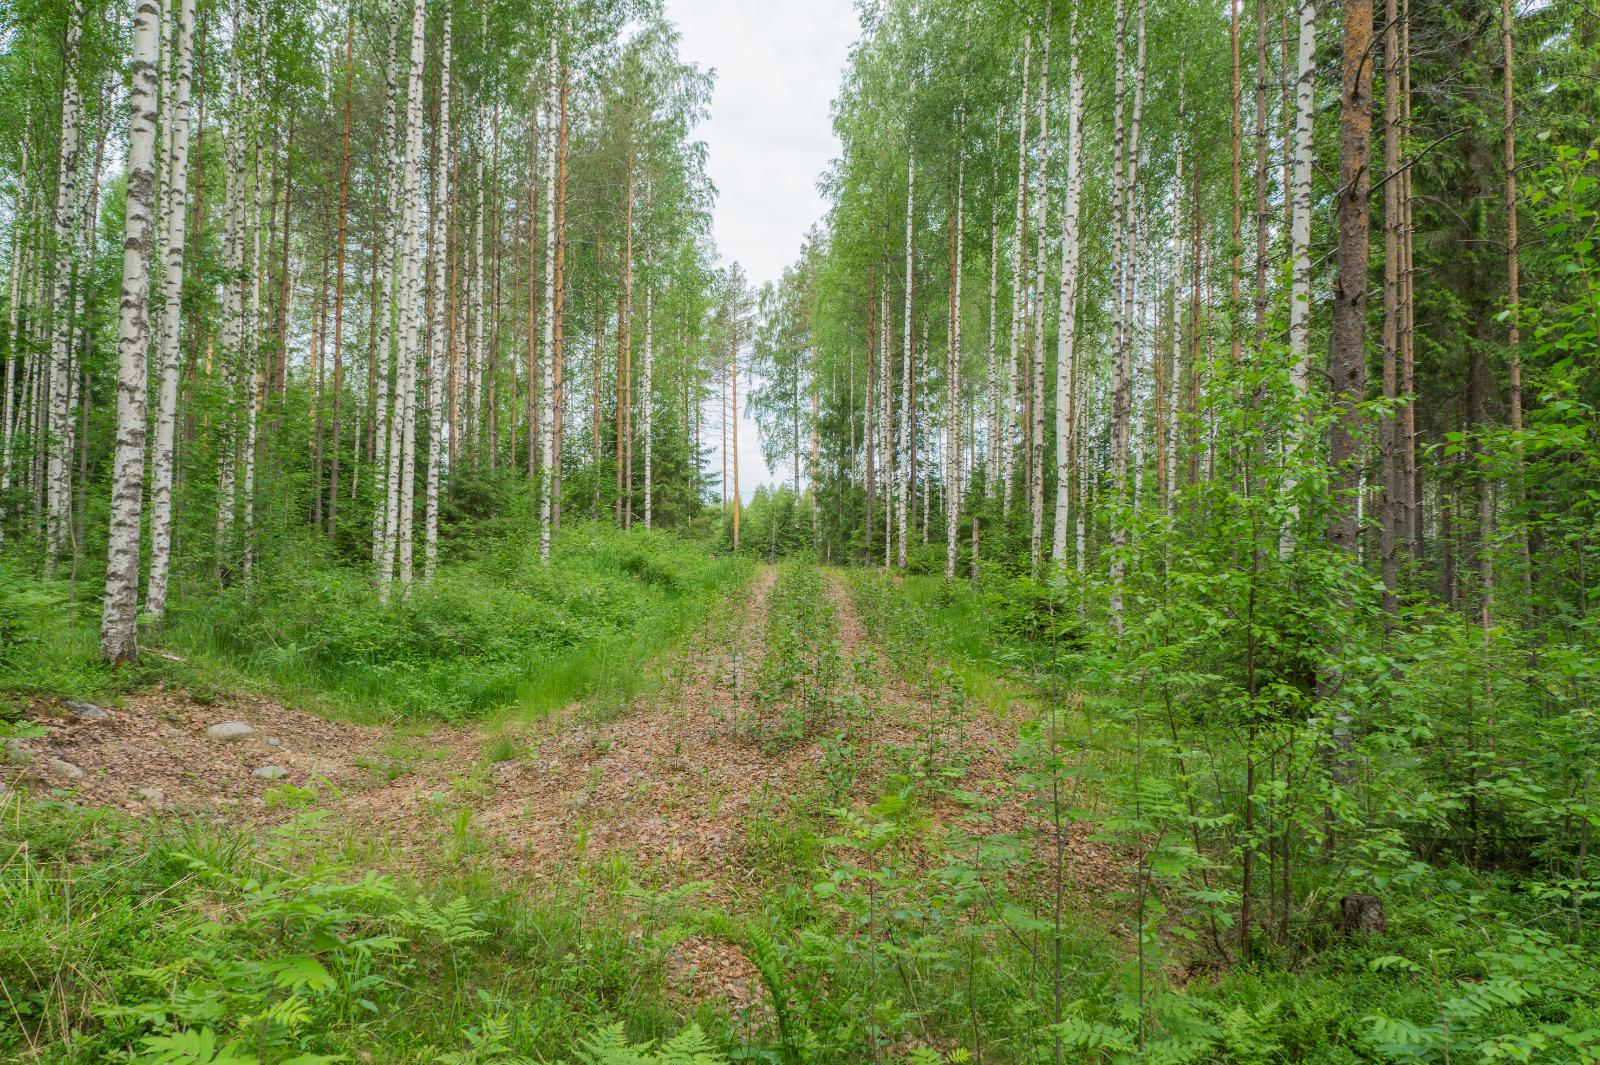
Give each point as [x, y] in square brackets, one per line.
[769, 138]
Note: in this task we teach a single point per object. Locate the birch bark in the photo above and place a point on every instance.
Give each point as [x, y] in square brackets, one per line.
[1067, 313]
[120, 610]
[176, 192]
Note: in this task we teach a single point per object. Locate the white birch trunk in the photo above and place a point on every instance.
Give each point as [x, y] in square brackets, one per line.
[233, 326]
[438, 355]
[1119, 284]
[906, 487]
[255, 207]
[952, 458]
[547, 338]
[1067, 313]
[1170, 428]
[384, 423]
[992, 416]
[1041, 217]
[404, 458]
[167, 360]
[647, 402]
[58, 431]
[120, 610]
[885, 425]
[1012, 414]
[13, 399]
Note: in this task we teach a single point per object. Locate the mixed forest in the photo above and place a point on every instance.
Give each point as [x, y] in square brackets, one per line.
[1165, 637]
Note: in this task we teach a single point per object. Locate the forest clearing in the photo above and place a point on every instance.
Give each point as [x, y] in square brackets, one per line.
[1152, 625]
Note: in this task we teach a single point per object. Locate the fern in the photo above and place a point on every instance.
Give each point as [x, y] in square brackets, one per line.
[609, 1046]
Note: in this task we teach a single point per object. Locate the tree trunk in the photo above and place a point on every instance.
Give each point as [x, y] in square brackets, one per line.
[1041, 211]
[1067, 312]
[403, 465]
[907, 405]
[384, 421]
[1017, 293]
[338, 282]
[57, 436]
[952, 417]
[167, 352]
[1513, 296]
[437, 333]
[1347, 359]
[547, 364]
[1390, 491]
[120, 611]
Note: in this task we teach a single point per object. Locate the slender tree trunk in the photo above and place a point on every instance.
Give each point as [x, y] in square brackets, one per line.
[1017, 301]
[1237, 198]
[952, 458]
[1120, 283]
[1390, 515]
[1513, 295]
[547, 364]
[384, 417]
[57, 436]
[233, 331]
[885, 422]
[991, 402]
[558, 305]
[410, 346]
[120, 611]
[869, 428]
[436, 344]
[1041, 210]
[338, 277]
[1347, 360]
[907, 464]
[733, 393]
[1067, 312]
[167, 352]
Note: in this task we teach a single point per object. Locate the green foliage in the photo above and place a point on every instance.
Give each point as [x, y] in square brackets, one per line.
[188, 945]
[491, 632]
[610, 1047]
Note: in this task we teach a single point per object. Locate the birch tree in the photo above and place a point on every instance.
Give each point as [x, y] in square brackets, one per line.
[120, 611]
[175, 189]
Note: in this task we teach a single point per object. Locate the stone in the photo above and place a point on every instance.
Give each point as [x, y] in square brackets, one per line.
[269, 772]
[1361, 914]
[273, 741]
[88, 711]
[153, 796]
[231, 730]
[60, 767]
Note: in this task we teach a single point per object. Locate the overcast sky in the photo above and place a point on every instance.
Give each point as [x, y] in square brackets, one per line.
[770, 134]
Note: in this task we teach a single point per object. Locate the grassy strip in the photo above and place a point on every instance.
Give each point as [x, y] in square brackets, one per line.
[493, 633]
[123, 940]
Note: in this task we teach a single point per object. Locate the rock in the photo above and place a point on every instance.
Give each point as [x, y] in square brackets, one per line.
[231, 730]
[1361, 914]
[153, 796]
[88, 711]
[269, 772]
[273, 741]
[60, 767]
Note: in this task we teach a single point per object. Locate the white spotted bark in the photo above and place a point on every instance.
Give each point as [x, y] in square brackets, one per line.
[120, 610]
[1067, 313]
[167, 358]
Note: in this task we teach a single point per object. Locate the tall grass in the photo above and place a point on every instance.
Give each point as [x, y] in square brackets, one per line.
[494, 633]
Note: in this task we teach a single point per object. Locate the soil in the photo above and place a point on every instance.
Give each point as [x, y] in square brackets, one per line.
[673, 782]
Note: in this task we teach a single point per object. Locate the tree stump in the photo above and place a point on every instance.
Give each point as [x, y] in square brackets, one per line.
[1361, 913]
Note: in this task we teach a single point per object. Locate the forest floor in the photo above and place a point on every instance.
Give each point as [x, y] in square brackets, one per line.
[677, 784]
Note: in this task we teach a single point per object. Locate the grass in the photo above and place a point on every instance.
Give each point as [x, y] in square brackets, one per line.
[117, 934]
[495, 634]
